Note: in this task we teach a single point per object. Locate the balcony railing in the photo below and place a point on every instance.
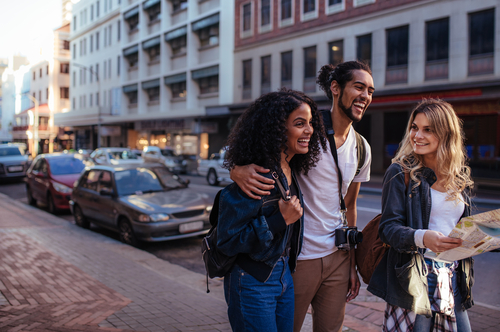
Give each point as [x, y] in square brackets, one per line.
[435, 70]
[481, 64]
[396, 74]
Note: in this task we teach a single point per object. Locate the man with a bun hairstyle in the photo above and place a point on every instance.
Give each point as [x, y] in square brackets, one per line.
[326, 277]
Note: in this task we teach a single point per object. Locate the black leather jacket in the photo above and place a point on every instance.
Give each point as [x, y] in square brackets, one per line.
[400, 278]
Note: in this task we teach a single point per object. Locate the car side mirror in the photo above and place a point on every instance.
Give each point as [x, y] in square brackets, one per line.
[106, 192]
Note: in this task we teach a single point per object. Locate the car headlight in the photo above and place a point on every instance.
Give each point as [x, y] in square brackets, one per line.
[153, 217]
[61, 188]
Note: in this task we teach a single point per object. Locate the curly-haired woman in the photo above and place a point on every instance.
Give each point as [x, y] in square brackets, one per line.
[425, 194]
[281, 131]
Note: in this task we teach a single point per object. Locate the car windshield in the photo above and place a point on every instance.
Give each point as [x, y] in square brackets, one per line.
[145, 180]
[66, 165]
[168, 153]
[117, 155]
[10, 151]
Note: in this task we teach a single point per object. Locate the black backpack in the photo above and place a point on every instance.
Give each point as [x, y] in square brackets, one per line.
[361, 149]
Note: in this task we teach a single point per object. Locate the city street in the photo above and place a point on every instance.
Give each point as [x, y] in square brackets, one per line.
[186, 252]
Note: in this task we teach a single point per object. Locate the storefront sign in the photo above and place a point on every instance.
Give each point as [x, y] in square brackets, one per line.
[167, 125]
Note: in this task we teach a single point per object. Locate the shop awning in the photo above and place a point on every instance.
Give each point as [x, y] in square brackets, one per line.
[132, 12]
[205, 22]
[130, 88]
[205, 72]
[151, 43]
[131, 50]
[150, 3]
[175, 78]
[151, 84]
[176, 33]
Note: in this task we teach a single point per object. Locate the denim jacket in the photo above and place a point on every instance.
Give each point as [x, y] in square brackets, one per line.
[401, 278]
[255, 229]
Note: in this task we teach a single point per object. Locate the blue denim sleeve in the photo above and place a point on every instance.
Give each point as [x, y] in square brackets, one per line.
[242, 228]
[394, 229]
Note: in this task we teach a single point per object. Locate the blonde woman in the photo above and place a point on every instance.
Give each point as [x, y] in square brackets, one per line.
[425, 193]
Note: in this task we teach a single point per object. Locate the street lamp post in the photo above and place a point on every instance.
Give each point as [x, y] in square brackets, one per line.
[98, 102]
[35, 124]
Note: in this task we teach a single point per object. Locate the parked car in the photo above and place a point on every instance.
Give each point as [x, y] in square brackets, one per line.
[141, 203]
[14, 160]
[51, 177]
[114, 156]
[167, 156]
[213, 168]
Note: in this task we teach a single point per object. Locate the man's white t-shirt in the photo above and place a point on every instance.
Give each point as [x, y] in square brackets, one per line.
[320, 191]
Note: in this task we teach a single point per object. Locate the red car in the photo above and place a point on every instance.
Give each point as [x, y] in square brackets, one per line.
[50, 179]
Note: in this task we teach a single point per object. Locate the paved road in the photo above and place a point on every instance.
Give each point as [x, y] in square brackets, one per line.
[185, 252]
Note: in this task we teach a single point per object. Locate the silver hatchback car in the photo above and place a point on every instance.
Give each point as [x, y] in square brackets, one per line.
[14, 160]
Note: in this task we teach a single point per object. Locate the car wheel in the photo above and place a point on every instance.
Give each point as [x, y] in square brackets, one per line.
[212, 177]
[80, 219]
[51, 206]
[127, 235]
[31, 200]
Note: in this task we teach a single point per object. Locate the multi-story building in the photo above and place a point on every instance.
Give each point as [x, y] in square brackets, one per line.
[416, 48]
[163, 63]
[95, 85]
[48, 84]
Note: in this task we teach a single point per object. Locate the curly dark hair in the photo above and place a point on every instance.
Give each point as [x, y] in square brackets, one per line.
[260, 133]
[342, 74]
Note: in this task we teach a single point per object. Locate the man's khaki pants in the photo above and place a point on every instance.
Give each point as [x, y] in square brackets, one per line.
[323, 283]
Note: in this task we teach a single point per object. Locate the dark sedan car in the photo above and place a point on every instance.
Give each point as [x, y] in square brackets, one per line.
[141, 203]
[51, 177]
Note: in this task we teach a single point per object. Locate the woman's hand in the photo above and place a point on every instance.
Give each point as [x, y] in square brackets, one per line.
[291, 210]
[438, 242]
[252, 183]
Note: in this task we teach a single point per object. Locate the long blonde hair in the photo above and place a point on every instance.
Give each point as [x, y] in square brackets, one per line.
[451, 152]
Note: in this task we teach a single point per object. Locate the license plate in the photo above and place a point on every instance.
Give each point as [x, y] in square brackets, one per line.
[15, 169]
[190, 226]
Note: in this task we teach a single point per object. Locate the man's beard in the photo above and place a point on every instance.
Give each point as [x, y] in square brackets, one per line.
[347, 111]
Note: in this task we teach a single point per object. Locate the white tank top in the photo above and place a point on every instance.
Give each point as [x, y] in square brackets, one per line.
[444, 214]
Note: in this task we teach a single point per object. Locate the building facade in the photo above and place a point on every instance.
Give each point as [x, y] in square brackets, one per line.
[164, 61]
[415, 48]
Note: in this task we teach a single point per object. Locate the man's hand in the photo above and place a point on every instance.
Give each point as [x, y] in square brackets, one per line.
[251, 182]
[438, 242]
[354, 283]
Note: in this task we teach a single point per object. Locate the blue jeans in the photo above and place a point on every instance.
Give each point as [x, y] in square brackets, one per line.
[258, 306]
[424, 324]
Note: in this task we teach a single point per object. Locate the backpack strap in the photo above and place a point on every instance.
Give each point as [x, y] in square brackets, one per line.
[361, 150]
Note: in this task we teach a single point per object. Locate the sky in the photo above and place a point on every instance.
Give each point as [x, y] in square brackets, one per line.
[24, 23]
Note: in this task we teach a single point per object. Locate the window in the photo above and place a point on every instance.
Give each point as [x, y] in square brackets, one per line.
[437, 49]
[265, 12]
[178, 5]
[90, 180]
[152, 48]
[364, 48]
[286, 69]
[97, 98]
[73, 106]
[131, 92]
[64, 93]
[286, 10]
[209, 84]
[153, 11]
[265, 74]
[91, 43]
[34, 76]
[97, 7]
[47, 71]
[96, 74]
[118, 66]
[47, 94]
[91, 78]
[109, 68]
[74, 22]
[336, 52]
[118, 30]
[105, 35]
[178, 90]
[247, 19]
[247, 79]
[110, 36]
[64, 68]
[132, 55]
[309, 10]
[66, 45]
[84, 46]
[209, 36]
[74, 51]
[481, 42]
[309, 5]
[104, 71]
[310, 69]
[153, 94]
[178, 45]
[74, 78]
[40, 72]
[397, 55]
[91, 12]
[359, 3]
[91, 100]
[334, 6]
[132, 18]
[40, 95]
[97, 41]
